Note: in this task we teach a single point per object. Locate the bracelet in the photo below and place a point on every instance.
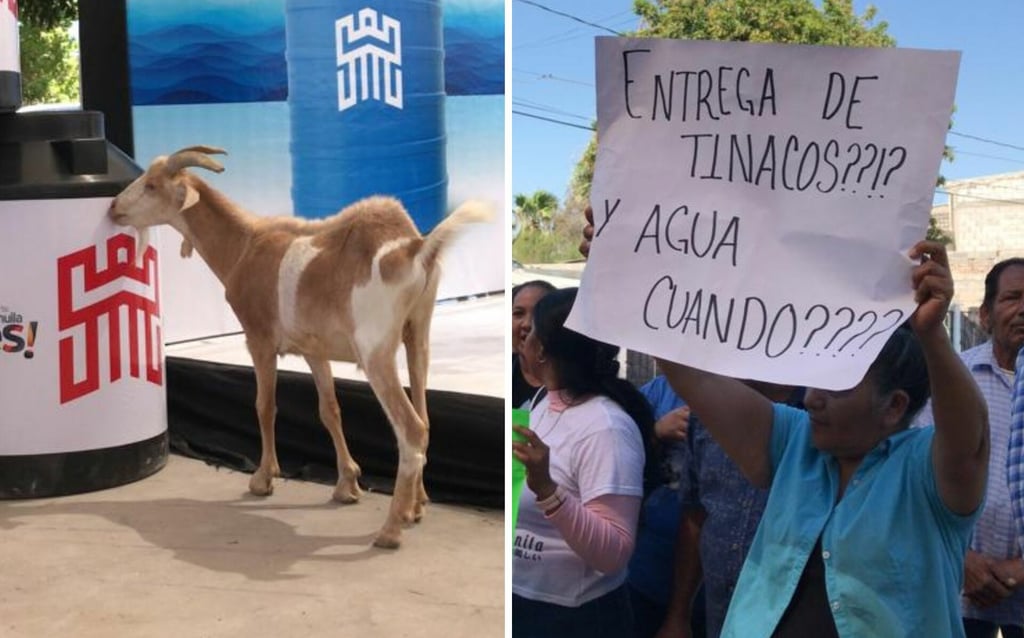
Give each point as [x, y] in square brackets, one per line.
[550, 504]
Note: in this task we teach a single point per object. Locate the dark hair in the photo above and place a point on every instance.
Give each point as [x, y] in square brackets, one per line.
[901, 366]
[586, 367]
[546, 286]
[992, 280]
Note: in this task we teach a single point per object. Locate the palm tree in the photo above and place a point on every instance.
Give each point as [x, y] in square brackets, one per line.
[535, 211]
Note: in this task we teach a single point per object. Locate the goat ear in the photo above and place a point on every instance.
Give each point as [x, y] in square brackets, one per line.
[189, 198]
[186, 248]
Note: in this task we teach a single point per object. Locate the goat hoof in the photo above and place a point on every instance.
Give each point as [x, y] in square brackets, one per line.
[347, 494]
[413, 515]
[386, 540]
[345, 498]
[260, 485]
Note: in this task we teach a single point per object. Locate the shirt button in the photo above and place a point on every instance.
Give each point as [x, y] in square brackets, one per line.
[835, 605]
[826, 554]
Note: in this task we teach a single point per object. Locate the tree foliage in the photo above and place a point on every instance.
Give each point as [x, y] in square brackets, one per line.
[545, 236]
[583, 174]
[559, 244]
[49, 65]
[936, 234]
[535, 211]
[788, 21]
[48, 14]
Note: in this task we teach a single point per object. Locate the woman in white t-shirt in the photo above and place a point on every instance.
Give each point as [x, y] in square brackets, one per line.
[586, 457]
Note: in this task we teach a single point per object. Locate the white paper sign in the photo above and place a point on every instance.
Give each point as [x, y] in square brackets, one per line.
[754, 204]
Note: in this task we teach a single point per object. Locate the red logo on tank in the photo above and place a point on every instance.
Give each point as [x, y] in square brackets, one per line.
[120, 290]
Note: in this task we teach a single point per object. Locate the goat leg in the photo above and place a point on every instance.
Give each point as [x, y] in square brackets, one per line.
[415, 337]
[411, 435]
[347, 489]
[261, 483]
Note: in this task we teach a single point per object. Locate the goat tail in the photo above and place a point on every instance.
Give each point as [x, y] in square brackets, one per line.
[469, 212]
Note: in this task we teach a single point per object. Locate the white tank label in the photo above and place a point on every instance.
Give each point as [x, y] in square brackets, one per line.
[9, 60]
[81, 346]
[369, 48]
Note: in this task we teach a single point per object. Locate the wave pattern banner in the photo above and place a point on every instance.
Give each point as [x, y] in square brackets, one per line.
[224, 51]
[474, 47]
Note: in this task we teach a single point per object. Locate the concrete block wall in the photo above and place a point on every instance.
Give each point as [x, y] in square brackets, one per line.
[992, 227]
[969, 270]
[985, 217]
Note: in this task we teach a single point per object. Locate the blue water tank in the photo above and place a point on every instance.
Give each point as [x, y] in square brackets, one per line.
[366, 101]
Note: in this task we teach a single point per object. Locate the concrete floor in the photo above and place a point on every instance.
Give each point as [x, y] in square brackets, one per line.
[188, 553]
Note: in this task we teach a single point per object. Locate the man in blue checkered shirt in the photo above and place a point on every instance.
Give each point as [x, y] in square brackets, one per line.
[993, 596]
[1015, 455]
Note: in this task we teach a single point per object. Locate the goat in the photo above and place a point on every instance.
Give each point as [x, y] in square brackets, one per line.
[346, 288]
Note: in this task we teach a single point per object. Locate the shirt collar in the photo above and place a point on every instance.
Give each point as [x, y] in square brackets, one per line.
[887, 445]
[893, 440]
[983, 357]
[557, 401]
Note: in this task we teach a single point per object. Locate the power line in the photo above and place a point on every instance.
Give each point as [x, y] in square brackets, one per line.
[551, 76]
[619, 14]
[576, 32]
[983, 139]
[995, 157]
[987, 199]
[1001, 187]
[548, 119]
[537, 106]
[1012, 190]
[549, 42]
[570, 16]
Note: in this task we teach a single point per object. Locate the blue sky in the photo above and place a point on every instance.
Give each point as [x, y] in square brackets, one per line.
[553, 77]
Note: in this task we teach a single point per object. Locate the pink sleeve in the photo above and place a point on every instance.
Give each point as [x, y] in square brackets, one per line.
[602, 532]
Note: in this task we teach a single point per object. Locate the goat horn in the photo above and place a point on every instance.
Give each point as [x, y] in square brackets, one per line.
[193, 156]
[209, 150]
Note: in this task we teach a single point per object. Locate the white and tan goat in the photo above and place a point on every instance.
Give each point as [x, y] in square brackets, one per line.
[347, 288]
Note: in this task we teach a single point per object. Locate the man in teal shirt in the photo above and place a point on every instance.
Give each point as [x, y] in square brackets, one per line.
[867, 521]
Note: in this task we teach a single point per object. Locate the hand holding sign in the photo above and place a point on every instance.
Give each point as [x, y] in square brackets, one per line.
[588, 231]
[933, 286]
[754, 205]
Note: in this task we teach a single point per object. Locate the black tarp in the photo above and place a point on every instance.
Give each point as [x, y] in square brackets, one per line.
[212, 416]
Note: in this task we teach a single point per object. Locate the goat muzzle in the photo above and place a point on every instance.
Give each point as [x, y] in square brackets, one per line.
[115, 215]
[141, 233]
